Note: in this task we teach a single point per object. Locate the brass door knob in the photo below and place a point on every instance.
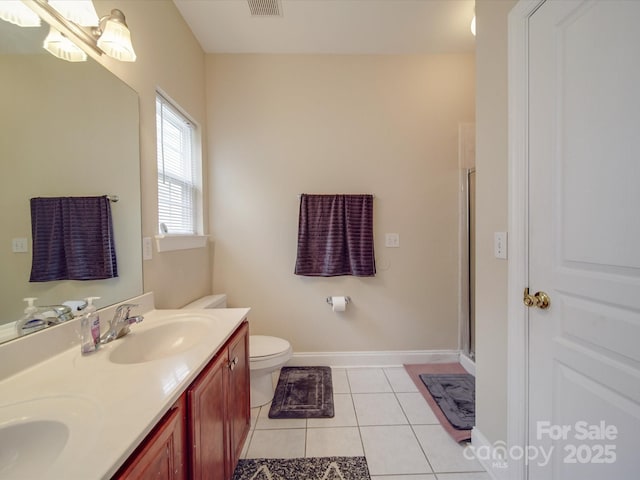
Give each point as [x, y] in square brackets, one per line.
[538, 299]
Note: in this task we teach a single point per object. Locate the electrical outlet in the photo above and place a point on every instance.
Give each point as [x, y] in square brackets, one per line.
[392, 240]
[20, 245]
[500, 244]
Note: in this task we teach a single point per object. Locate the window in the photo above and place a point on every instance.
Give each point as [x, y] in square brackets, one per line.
[178, 171]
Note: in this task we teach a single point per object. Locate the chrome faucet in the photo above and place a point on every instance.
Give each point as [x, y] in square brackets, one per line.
[43, 317]
[61, 313]
[119, 324]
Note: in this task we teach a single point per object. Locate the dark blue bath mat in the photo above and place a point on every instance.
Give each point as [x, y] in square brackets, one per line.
[303, 392]
[455, 394]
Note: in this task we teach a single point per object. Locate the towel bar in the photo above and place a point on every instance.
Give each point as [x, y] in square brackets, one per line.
[373, 195]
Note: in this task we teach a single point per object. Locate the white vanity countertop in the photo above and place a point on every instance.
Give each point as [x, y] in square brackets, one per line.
[108, 407]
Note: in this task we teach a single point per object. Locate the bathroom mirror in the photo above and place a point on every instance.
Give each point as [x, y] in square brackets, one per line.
[66, 129]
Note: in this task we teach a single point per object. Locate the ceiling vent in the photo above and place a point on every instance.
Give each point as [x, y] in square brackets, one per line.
[264, 8]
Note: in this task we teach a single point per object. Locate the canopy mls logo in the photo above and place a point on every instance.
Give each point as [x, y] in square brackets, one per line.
[593, 448]
[499, 455]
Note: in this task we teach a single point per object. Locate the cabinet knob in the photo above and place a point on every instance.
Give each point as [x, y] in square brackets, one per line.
[233, 363]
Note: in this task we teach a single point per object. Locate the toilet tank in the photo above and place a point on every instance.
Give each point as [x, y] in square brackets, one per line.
[210, 301]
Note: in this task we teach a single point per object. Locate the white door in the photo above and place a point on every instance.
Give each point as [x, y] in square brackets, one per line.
[584, 240]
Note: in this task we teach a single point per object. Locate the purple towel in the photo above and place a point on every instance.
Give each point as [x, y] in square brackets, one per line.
[335, 236]
[72, 239]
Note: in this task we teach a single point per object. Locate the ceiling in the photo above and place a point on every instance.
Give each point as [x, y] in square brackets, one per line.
[332, 26]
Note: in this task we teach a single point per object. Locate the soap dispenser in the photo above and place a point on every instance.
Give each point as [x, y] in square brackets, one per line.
[31, 320]
[90, 328]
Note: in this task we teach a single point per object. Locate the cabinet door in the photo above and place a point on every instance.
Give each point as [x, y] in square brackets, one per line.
[206, 421]
[162, 455]
[238, 401]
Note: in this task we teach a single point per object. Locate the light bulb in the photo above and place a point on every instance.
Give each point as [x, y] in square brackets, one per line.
[81, 12]
[61, 47]
[16, 12]
[115, 40]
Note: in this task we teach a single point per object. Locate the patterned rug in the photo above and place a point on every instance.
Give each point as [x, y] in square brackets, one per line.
[303, 392]
[318, 468]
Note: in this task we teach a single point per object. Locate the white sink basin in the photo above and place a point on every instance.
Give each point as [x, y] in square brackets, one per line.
[34, 434]
[159, 342]
[27, 448]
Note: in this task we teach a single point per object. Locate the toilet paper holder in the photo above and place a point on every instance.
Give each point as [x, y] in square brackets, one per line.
[330, 300]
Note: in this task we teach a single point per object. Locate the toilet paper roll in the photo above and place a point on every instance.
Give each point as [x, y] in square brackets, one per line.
[339, 304]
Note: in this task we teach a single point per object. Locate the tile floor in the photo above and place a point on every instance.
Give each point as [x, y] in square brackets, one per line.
[380, 414]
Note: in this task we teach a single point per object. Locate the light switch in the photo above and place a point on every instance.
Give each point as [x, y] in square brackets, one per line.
[147, 248]
[20, 245]
[392, 240]
[500, 244]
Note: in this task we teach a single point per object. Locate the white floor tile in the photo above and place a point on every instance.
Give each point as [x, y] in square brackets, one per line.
[393, 430]
[464, 476]
[417, 409]
[344, 414]
[340, 381]
[255, 412]
[400, 380]
[393, 450]
[368, 380]
[277, 444]
[334, 442]
[378, 409]
[425, 476]
[444, 453]
[266, 423]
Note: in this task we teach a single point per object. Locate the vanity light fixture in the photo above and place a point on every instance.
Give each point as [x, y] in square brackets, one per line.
[473, 25]
[16, 12]
[81, 12]
[60, 46]
[77, 22]
[114, 37]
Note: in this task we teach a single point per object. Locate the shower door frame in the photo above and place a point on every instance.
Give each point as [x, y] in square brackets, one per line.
[466, 164]
[466, 282]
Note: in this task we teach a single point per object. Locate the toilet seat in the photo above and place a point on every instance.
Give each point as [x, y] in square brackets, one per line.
[262, 347]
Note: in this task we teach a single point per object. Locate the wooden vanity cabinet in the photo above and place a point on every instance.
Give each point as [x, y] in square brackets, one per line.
[206, 421]
[238, 402]
[203, 435]
[219, 411]
[162, 456]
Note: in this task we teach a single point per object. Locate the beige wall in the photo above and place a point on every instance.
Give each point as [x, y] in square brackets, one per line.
[491, 195]
[169, 58]
[280, 125]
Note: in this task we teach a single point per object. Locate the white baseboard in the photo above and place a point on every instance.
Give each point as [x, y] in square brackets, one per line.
[372, 359]
[495, 467]
[468, 364]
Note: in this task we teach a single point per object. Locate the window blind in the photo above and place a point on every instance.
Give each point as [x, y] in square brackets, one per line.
[178, 181]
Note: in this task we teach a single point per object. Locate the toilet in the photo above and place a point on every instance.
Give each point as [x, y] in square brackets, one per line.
[266, 354]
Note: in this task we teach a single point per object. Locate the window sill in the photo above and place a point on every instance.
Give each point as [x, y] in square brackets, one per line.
[169, 243]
